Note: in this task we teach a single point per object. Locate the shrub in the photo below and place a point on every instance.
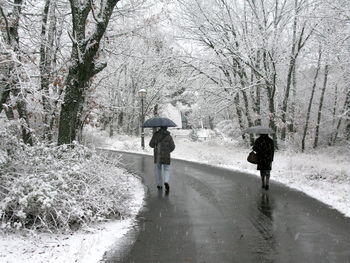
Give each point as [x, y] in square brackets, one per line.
[228, 129]
[58, 187]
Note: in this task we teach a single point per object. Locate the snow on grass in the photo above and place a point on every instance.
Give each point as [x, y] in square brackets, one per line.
[323, 174]
[86, 245]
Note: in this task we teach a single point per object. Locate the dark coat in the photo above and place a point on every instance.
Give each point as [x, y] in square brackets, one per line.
[164, 141]
[264, 148]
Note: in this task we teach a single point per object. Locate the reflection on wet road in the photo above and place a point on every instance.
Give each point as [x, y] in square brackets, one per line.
[216, 215]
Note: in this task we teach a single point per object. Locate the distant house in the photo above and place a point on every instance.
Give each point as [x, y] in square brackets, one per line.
[173, 113]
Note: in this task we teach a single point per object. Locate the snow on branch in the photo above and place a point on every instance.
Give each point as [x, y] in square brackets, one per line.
[98, 67]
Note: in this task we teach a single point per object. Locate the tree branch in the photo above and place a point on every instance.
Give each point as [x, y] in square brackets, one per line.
[6, 25]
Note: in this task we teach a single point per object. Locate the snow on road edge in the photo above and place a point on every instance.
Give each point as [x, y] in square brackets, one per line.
[86, 246]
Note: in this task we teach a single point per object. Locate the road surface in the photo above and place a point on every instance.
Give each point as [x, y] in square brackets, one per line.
[215, 215]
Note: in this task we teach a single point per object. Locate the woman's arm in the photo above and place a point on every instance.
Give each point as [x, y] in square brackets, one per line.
[171, 144]
[153, 141]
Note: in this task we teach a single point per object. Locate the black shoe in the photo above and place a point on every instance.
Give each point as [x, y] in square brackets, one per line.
[263, 186]
[267, 187]
[167, 187]
[159, 187]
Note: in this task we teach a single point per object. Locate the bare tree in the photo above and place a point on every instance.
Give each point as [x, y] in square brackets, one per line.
[47, 56]
[347, 115]
[11, 68]
[84, 61]
[319, 114]
[299, 40]
[137, 61]
[313, 88]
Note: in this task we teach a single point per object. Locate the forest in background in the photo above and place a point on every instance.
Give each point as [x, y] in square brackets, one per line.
[281, 63]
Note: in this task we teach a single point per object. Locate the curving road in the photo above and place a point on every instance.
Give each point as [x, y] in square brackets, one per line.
[215, 215]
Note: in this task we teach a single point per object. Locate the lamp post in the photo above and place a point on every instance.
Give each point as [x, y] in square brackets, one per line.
[142, 96]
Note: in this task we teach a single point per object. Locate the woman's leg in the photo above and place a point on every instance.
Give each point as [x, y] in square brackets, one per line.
[262, 175]
[166, 173]
[158, 174]
[267, 179]
[166, 176]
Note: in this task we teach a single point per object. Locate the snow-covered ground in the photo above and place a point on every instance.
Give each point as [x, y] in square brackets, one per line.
[323, 174]
[85, 246]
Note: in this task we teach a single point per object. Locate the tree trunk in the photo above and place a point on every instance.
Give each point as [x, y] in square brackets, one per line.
[9, 110]
[272, 122]
[298, 43]
[80, 128]
[271, 92]
[247, 113]
[211, 122]
[255, 94]
[326, 69]
[286, 98]
[334, 113]
[120, 121]
[11, 79]
[257, 106]
[294, 92]
[290, 73]
[21, 105]
[111, 127]
[239, 113]
[306, 126]
[73, 98]
[83, 113]
[347, 115]
[4, 95]
[46, 49]
[84, 64]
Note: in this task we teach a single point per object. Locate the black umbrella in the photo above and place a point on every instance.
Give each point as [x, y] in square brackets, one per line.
[158, 122]
[259, 130]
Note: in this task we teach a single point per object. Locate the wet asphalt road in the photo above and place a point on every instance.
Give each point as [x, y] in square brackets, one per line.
[215, 215]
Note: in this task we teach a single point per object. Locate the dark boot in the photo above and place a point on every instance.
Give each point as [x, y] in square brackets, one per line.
[167, 187]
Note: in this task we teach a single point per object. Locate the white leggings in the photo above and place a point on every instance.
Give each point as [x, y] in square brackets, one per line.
[162, 173]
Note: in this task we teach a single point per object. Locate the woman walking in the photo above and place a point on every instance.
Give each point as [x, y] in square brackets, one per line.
[264, 148]
[163, 145]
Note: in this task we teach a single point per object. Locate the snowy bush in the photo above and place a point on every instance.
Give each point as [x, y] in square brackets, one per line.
[3, 157]
[58, 187]
[228, 128]
[10, 145]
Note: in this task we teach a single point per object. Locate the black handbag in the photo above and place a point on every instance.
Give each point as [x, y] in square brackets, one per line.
[252, 158]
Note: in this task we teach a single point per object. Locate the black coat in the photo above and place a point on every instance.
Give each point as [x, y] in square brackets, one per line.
[264, 148]
[164, 141]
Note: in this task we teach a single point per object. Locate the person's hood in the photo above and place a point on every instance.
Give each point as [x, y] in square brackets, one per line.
[163, 132]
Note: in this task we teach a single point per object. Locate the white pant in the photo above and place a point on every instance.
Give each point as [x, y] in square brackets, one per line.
[162, 173]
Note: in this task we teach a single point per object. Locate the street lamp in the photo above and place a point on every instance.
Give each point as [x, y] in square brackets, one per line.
[142, 96]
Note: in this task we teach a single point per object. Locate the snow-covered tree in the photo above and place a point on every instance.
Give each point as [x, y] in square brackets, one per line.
[256, 53]
[89, 23]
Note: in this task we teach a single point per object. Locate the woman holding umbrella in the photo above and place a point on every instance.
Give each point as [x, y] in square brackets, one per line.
[163, 144]
[264, 148]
